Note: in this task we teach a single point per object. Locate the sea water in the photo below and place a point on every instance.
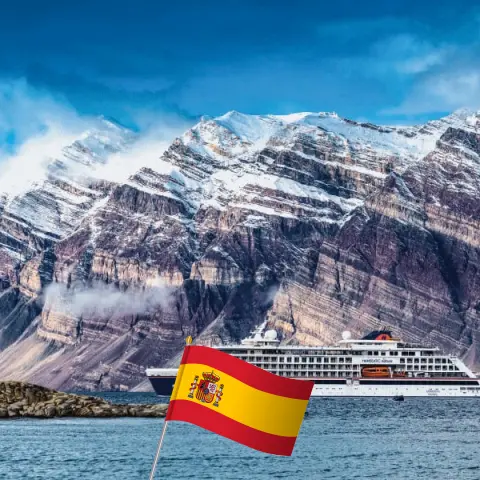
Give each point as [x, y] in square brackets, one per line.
[367, 438]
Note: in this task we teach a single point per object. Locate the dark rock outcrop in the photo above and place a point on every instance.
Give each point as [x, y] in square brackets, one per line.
[19, 399]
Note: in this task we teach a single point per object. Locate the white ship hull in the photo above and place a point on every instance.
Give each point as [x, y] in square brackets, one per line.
[393, 391]
[163, 379]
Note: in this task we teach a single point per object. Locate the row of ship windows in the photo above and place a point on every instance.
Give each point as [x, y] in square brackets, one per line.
[341, 374]
[415, 382]
[267, 366]
[272, 367]
[334, 360]
[314, 374]
[404, 353]
[402, 382]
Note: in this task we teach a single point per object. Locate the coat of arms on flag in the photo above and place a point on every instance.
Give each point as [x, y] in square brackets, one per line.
[207, 388]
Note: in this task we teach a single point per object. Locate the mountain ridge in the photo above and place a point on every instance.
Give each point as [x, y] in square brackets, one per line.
[311, 222]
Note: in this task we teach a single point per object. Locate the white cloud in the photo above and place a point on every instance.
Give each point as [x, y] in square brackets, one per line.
[104, 301]
[407, 54]
[420, 63]
[434, 76]
[28, 112]
[145, 152]
[455, 88]
[393, 47]
[41, 125]
[44, 125]
[441, 92]
[29, 165]
[437, 77]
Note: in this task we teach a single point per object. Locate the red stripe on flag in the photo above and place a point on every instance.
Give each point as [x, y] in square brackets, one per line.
[248, 373]
[197, 414]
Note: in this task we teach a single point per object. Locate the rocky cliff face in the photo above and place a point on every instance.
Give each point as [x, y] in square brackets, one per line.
[316, 223]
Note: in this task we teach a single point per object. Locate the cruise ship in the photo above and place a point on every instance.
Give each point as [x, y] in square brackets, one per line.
[378, 365]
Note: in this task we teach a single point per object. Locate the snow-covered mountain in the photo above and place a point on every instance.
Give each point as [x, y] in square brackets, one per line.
[313, 222]
[46, 199]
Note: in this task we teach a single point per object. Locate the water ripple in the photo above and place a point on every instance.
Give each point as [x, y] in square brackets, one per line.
[341, 439]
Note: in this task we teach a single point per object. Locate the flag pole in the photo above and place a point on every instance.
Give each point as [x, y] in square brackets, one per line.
[188, 341]
[157, 455]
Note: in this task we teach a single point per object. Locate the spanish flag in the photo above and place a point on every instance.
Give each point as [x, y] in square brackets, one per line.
[237, 400]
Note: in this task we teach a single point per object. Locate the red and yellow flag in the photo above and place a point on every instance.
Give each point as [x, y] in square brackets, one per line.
[237, 400]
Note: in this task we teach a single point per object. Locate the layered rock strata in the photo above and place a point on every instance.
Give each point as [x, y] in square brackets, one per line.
[312, 222]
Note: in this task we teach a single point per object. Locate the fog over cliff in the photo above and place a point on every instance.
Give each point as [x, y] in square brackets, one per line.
[104, 301]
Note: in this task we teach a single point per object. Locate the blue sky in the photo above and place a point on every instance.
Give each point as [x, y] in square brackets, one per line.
[383, 61]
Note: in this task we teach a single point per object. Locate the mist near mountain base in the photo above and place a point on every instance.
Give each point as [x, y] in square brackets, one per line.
[103, 301]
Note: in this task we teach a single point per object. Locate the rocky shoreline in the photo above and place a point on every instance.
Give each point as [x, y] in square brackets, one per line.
[19, 399]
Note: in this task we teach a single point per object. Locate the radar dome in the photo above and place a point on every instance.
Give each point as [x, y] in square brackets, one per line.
[271, 335]
[346, 335]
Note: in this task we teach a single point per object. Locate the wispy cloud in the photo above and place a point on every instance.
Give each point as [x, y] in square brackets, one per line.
[408, 54]
[27, 112]
[34, 127]
[146, 151]
[104, 301]
[442, 76]
[43, 125]
[29, 164]
[426, 71]
[442, 92]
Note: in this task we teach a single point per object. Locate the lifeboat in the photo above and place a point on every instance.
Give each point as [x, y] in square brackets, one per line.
[376, 372]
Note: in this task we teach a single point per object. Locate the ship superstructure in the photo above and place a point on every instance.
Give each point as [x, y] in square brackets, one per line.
[376, 365]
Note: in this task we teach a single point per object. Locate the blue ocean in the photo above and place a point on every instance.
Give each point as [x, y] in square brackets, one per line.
[341, 439]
